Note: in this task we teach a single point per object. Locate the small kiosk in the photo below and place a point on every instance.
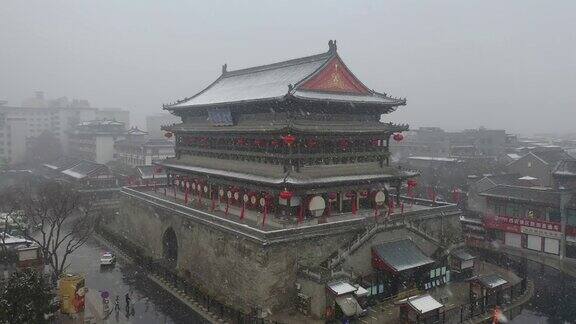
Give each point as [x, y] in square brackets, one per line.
[462, 264]
[420, 309]
[399, 266]
[488, 288]
[341, 301]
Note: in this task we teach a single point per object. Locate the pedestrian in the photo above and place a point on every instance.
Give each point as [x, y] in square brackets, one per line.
[127, 296]
[117, 303]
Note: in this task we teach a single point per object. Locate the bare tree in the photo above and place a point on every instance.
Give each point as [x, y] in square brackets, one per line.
[63, 217]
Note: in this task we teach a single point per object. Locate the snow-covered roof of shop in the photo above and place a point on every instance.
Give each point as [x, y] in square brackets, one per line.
[82, 169]
[528, 178]
[514, 156]
[341, 288]
[402, 255]
[463, 255]
[61, 163]
[279, 80]
[424, 303]
[492, 281]
[433, 158]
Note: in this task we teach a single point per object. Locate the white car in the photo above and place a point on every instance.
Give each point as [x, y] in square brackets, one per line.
[107, 258]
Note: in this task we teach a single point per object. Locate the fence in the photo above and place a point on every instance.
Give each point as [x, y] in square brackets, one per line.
[160, 269]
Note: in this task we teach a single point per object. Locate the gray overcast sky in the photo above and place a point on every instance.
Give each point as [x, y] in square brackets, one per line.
[461, 64]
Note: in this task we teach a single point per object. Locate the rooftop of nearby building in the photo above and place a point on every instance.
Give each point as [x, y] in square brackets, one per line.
[565, 168]
[538, 195]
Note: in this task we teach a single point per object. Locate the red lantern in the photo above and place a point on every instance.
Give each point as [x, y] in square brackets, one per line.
[398, 137]
[351, 194]
[411, 183]
[374, 142]
[332, 195]
[286, 194]
[289, 139]
[168, 134]
[240, 141]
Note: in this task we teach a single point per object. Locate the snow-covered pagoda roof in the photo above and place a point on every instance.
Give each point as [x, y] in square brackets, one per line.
[323, 77]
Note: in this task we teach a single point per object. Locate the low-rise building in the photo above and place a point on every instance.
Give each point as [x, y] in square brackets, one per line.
[539, 163]
[136, 149]
[94, 140]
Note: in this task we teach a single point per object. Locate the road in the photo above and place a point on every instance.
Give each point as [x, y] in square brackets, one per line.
[149, 303]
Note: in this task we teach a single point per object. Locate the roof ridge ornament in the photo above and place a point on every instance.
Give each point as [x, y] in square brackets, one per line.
[224, 68]
[332, 46]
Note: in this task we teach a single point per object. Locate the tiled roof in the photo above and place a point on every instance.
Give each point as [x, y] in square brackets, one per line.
[524, 194]
[62, 163]
[566, 168]
[552, 156]
[276, 82]
[402, 255]
[274, 174]
[83, 169]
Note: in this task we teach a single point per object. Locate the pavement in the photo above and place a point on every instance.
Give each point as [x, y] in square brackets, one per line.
[149, 303]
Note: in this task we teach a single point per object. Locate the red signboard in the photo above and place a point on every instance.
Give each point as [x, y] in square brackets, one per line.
[496, 222]
[514, 224]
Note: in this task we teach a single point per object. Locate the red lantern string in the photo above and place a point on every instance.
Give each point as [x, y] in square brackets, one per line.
[376, 211]
[265, 214]
[227, 206]
[213, 206]
[301, 211]
[242, 211]
[186, 191]
[354, 206]
[390, 206]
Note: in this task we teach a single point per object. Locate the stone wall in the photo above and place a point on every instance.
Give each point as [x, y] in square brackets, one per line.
[240, 272]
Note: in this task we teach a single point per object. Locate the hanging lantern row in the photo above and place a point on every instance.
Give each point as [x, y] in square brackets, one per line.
[287, 140]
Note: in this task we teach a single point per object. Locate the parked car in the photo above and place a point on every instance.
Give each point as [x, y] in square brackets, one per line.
[107, 258]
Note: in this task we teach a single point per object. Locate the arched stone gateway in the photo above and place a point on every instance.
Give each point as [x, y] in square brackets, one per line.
[170, 246]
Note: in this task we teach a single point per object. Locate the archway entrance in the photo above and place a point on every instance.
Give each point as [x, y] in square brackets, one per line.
[170, 246]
